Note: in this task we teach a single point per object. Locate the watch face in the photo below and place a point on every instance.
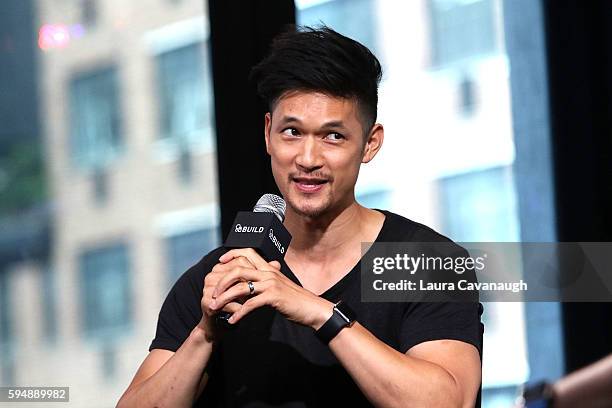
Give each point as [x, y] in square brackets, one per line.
[538, 395]
[345, 312]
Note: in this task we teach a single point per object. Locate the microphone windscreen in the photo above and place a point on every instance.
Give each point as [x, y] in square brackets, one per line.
[271, 203]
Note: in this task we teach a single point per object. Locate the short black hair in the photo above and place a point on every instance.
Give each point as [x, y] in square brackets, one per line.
[322, 60]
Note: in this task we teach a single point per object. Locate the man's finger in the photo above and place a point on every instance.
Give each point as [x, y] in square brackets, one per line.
[249, 253]
[241, 261]
[249, 305]
[239, 290]
[232, 307]
[222, 268]
[236, 275]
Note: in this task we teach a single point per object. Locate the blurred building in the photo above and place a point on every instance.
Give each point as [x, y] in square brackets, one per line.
[126, 103]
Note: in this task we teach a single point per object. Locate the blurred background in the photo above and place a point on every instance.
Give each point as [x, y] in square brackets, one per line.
[130, 136]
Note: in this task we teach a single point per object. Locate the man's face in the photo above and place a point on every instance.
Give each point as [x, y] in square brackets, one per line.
[317, 145]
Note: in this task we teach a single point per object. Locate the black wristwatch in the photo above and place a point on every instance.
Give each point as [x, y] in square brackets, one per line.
[538, 395]
[342, 316]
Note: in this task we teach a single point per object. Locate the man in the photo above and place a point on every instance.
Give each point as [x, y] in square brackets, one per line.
[322, 92]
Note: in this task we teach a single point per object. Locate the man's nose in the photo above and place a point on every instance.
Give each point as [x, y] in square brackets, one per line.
[309, 155]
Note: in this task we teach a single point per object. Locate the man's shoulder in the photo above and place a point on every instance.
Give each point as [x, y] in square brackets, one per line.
[402, 229]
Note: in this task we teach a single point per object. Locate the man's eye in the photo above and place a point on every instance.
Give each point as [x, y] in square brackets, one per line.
[335, 136]
[291, 132]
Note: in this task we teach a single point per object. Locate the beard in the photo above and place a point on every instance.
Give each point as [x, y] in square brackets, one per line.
[310, 208]
[307, 205]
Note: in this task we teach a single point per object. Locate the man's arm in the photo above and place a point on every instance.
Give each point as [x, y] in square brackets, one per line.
[590, 386]
[440, 373]
[167, 379]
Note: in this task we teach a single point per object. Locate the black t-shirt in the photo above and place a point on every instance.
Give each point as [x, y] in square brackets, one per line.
[269, 361]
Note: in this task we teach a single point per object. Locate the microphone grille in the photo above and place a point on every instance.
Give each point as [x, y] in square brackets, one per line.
[271, 203]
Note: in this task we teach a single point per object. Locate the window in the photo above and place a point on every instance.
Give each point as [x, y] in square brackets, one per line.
[461, 29]
[488, 193]
[95, 118]
[105, 291]
[353, 18]
[185, 99]
[375, 199]
[186, 249]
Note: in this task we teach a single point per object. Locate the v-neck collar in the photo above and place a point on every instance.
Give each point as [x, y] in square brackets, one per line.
[339, 286]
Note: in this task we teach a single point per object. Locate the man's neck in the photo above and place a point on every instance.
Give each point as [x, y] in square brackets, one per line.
[323, 235]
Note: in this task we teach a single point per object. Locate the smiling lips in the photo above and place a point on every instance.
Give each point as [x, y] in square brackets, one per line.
[309, 184]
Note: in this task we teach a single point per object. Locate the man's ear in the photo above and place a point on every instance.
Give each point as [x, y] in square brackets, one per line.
[267, 126]
[374, 142]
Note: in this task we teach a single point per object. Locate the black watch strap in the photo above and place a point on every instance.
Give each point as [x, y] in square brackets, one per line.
[538, 395]
[341, 317]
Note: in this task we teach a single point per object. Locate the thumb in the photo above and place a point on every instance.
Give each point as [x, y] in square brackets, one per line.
[275, 264]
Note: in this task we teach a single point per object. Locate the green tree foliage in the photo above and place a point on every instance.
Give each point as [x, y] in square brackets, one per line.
[22, 177]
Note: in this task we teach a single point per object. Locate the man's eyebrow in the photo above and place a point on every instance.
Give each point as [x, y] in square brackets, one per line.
[289, 119]
[332, 124]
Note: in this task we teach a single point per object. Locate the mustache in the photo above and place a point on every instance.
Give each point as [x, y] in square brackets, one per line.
[314, 174]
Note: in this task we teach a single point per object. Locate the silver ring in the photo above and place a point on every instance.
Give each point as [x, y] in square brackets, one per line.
[251, 288]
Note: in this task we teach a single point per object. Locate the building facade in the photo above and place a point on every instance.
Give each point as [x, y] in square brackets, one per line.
[126, 97]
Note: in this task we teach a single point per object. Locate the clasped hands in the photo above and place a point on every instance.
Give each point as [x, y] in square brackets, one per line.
[226, 288]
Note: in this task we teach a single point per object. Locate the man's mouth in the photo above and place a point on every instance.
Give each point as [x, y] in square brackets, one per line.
[309, 184]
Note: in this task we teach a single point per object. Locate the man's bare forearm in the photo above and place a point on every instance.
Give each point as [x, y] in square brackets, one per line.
[389, 378]
[176, 383]
[588, 387]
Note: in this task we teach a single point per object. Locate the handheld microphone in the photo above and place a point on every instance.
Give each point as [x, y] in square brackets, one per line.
[263, 230]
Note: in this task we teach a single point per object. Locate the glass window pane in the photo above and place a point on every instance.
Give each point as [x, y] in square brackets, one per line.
[186, 249]
[185, 102]
[106, 291]
[488, 193]
[461, 30]
[354, 18]
[95, 128]
[374, 199]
